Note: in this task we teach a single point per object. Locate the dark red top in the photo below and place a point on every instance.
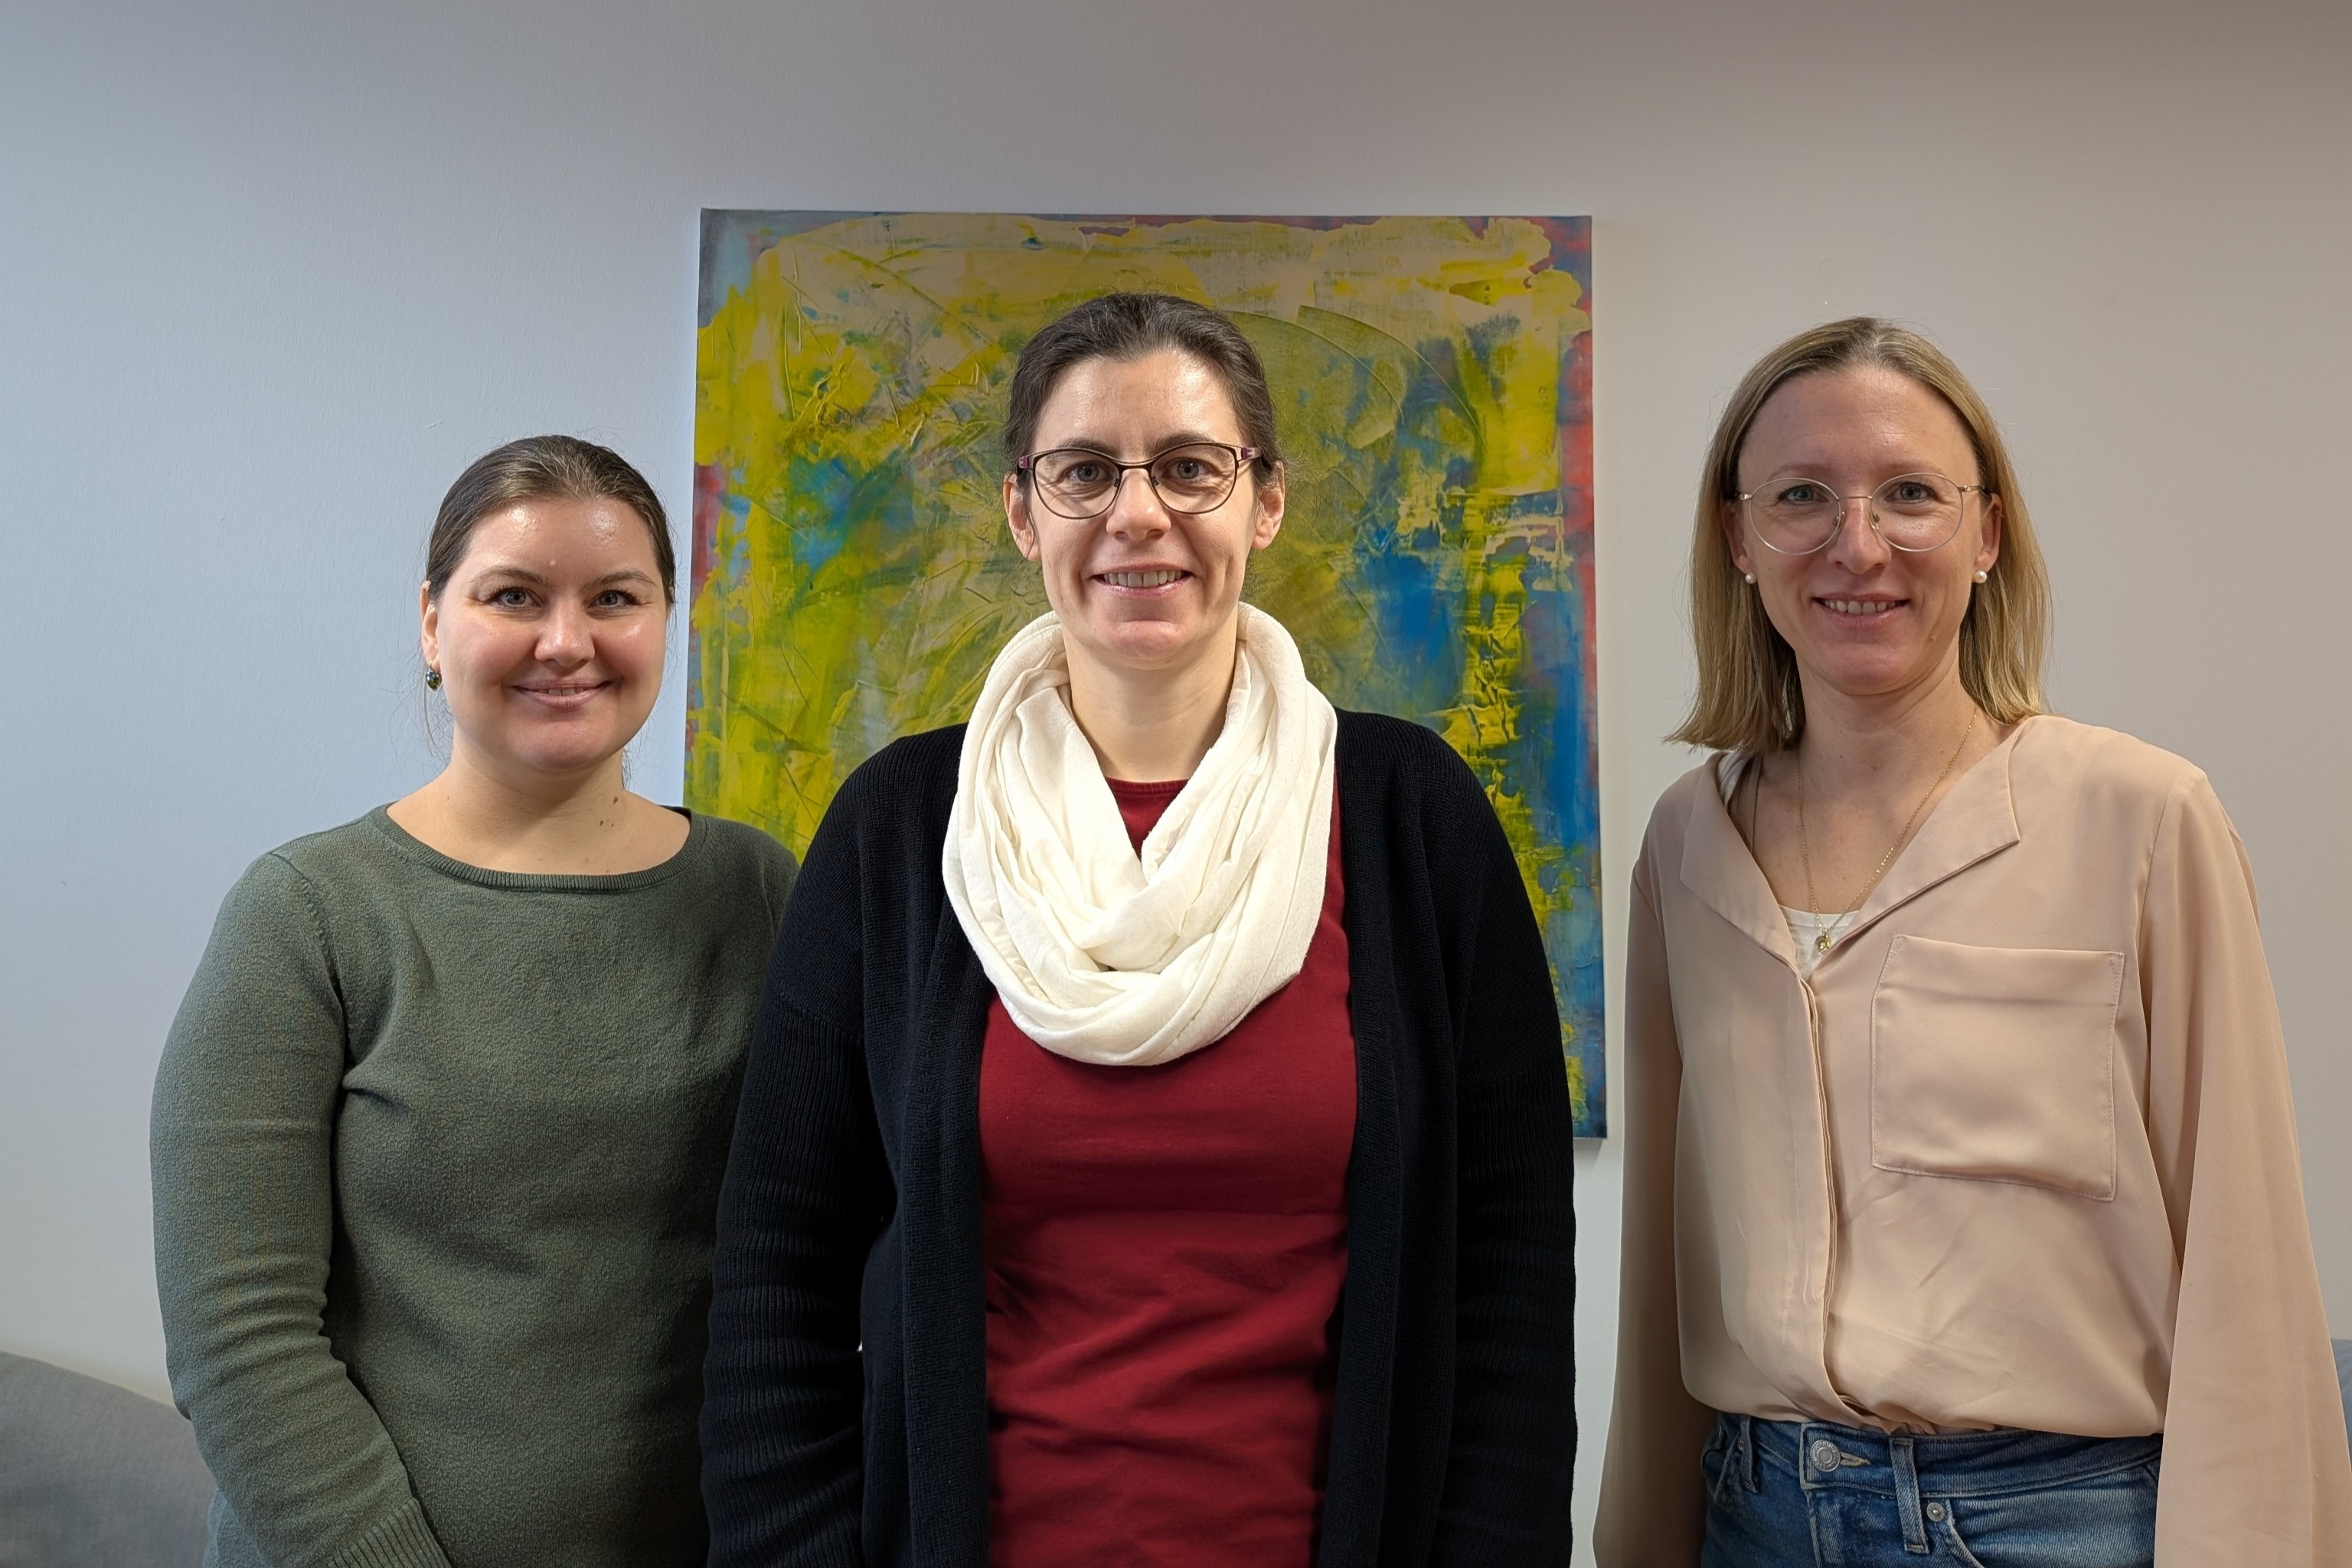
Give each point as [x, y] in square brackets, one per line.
[1164, 1249]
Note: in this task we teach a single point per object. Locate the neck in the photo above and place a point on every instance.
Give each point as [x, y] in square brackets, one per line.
[1863, 742]
[486, 815]
[1153, 726]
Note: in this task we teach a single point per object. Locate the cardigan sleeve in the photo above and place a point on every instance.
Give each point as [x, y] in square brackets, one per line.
[1653, 1506]
[242, 1139]
[2256, 1468]
[1513, 1446]
[806, 1192]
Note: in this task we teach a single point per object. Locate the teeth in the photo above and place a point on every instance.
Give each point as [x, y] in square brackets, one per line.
[1856, 606]
[1141, 579]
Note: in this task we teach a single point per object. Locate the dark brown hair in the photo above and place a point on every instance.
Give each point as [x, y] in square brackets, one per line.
[542, 468]
[1128, 326]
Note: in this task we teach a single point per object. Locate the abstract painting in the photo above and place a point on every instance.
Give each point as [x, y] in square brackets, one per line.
[852, 577]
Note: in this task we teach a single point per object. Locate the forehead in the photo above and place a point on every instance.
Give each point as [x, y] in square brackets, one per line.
[1140, 401]
[561, 533]
[1865, 417]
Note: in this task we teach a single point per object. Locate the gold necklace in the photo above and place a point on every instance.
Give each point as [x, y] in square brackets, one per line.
[1805, 847]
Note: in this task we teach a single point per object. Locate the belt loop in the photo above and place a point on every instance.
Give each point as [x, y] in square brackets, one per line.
[1907, 1494]
[1747, 1453]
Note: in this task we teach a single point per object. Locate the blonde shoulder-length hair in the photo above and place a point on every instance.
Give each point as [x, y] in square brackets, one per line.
[1749, 699]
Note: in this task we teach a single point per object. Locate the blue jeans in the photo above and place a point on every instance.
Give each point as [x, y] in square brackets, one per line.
[1787, 1494]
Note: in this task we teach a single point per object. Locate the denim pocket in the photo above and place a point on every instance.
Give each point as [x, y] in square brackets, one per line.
[1996, 1064]
[2105, 1521]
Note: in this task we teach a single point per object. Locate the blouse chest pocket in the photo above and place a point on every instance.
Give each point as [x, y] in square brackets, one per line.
[1996, 1064]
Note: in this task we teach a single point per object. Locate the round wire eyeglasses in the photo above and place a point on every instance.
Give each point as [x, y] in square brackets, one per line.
[1080, 483]
[1912, 513]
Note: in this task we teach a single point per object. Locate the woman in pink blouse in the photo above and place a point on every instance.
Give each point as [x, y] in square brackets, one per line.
[1963, 1218]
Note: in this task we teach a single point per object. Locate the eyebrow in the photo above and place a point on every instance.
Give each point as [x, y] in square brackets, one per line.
[1803, 469]
[1174, 439]
[537, 580]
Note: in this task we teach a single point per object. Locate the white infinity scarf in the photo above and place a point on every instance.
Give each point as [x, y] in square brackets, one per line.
[1103, 957]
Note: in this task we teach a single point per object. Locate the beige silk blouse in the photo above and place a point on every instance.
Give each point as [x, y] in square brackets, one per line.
[2022, 1153]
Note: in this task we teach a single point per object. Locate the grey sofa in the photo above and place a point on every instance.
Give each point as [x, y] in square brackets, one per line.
[2344, 1376]
[92, 1476]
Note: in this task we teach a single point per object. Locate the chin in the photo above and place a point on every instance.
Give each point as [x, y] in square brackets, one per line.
[1872, 678]
[1142, 645]
[568, 754]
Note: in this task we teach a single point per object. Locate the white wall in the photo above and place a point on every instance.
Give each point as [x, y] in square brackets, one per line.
[270, 275]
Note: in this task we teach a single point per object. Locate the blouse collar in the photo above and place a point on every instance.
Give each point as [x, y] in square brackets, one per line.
[1976, 819]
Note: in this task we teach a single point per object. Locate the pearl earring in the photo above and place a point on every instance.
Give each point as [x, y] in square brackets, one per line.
[1751, 578]
[433, 677]
[1980, 576]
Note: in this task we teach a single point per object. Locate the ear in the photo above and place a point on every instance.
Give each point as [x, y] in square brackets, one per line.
[428, 616]
[1989, 546]
[1735, 538]
[1271, 492]
[1016, 517]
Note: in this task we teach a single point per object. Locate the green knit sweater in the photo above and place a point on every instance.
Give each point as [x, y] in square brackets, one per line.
[436, 1156]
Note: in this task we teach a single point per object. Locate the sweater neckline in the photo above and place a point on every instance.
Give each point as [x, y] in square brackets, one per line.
[412, 848]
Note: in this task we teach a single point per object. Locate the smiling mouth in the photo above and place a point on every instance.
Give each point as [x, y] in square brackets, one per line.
[563, 695]
[1857, 606]
[1157, 579]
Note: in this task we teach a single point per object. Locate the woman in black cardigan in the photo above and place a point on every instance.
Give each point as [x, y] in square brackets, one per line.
[894, 1377]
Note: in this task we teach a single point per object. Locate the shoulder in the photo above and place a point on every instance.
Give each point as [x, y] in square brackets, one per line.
[1697, 791]
[336, 851]
[746, 856]
[909, 770]
[1402, 788]
[2101, 774]
[307, 871]
[1692, 790]
[1389, 756]
[278, 912]
[889, 821]
[1401, 784]
[742, 841]
[1418, 825]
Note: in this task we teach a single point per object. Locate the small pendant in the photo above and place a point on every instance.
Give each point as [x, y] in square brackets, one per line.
[1821, 942]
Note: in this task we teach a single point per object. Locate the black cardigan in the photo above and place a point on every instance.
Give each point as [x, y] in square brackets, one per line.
[845, 1417]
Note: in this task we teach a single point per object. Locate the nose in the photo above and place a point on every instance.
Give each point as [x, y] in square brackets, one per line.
[1857, 545]
[565, 638]
[1136, 511]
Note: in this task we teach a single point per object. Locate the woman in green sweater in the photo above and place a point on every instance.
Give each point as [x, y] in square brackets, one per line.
[439, 1132]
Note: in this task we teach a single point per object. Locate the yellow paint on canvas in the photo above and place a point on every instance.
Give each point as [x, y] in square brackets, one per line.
[852, 575]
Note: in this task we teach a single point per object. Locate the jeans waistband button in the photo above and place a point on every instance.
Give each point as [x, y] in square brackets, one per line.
[1824, 1454]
